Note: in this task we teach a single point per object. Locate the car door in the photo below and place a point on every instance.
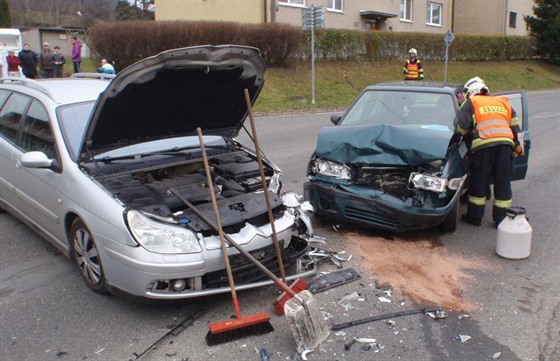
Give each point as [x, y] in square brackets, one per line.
[34, 190]
[518, 101]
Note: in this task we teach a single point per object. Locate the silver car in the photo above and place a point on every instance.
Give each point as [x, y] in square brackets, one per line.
[93, 163]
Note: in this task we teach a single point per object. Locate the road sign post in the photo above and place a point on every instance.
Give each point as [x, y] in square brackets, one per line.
[312, 18]
[448, 39]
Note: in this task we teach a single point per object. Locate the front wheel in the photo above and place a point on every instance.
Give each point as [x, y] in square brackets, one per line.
[86, 256]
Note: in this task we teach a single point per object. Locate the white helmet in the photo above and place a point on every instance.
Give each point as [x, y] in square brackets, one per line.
[475, 86]
[413, 51]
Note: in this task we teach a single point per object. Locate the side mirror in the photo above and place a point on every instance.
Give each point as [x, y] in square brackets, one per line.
[335, 119]
[35, 159]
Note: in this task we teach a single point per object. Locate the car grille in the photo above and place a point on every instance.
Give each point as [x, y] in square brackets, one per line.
[244, 271]
[369, 217]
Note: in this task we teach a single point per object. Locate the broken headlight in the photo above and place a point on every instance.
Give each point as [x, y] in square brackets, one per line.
[330, 169]
[427, 182]
[159, 237]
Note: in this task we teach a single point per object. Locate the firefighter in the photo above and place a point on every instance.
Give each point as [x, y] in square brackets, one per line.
[413, 69]
[493, 125]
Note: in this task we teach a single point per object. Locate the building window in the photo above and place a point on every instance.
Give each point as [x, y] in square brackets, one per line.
[406, 10]
[334, 5]
[512, 19]
[292, 2]
[433, 14]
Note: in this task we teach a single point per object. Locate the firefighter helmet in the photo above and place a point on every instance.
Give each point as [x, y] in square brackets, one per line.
[475, 86]
[412, 51]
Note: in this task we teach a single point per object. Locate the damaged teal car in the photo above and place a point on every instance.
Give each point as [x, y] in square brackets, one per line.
[392, 162]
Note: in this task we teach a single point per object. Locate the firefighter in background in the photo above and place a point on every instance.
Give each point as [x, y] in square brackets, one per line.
[413, 69]
[493, 124]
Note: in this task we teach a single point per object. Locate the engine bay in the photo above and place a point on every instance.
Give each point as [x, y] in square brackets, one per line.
[237, 186]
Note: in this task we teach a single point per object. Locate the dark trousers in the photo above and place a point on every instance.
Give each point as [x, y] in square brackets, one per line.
[76, 66]
[490, 163]
[57, 71]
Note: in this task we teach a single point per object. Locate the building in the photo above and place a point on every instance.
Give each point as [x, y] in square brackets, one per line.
[492, 17]
[396, 15]
[435, 16]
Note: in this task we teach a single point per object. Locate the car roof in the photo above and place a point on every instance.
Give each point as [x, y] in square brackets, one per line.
[61, 90]
[416, 85]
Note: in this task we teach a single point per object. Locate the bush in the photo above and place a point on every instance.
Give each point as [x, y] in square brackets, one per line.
[282, 45]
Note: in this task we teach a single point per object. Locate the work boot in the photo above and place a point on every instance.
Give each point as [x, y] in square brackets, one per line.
[471, 220]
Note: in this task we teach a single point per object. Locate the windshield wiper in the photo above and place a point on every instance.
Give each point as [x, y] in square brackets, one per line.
[181, 150]
[108, 159]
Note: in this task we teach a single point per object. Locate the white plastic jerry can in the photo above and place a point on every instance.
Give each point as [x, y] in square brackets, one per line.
[514, 235]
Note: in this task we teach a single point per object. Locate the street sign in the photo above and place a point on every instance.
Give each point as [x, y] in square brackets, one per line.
[313, 18]
[449, 37]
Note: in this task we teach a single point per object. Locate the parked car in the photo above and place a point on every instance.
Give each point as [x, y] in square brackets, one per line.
[90, 163]
[391, 161]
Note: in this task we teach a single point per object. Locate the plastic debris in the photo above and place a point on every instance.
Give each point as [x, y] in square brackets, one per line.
[464, 316]
[304, 354]
[345, 301]
[366, 340]
[263, 353]
[391, 323]
[333, 279]
[437, 314]
[384, 299]
[340, 333]
[463, 338]
[349, 344]
[496, 355]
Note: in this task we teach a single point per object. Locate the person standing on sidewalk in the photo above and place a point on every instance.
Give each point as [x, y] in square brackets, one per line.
[493, 124]
[46, 61]
[58, 62]
[76, 53]
[13, 64]
[413, 68]
[29, 60]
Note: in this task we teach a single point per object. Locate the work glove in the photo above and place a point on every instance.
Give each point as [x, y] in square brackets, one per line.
[518, 151]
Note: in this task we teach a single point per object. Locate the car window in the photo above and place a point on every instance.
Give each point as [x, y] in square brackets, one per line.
[73, 120]
[3, 96]
[11, 115]
[36, 132]
[402, 108]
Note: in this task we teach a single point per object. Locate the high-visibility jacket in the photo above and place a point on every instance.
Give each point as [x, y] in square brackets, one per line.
[413, 70]
[493, 119]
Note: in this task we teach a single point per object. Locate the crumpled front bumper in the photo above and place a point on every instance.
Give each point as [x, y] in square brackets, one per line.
[374, 209]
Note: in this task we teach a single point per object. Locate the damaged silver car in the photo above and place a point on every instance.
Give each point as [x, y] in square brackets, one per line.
[391, 162]
[92, 163]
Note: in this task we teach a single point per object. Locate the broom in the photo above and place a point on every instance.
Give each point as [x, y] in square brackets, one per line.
[241, 326]
[298, 285]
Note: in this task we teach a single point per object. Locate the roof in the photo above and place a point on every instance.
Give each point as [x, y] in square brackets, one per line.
[372, 14]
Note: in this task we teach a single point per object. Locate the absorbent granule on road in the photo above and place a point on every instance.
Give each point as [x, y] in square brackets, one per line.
[418, 269]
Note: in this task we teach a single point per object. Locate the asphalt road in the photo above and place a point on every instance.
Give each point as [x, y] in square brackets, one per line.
[47, 313]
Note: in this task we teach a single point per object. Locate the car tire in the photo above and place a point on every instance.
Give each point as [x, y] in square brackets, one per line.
[450, 222]
[86, 256]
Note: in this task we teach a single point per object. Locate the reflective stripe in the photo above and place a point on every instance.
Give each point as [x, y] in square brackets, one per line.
[412, 70]
[477, 201]
[477, 142]
[502, 204]
[493, 118]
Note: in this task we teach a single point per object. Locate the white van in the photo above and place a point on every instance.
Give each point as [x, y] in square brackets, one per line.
[10, 39]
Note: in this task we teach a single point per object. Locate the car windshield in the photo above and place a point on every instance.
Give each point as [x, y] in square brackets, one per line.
[430, 110]
[73, 120]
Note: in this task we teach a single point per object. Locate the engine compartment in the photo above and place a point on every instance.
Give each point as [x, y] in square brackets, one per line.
[237, 186]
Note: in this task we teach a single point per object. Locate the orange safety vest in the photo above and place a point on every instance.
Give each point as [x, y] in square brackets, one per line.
[492, 116]
[412, 70]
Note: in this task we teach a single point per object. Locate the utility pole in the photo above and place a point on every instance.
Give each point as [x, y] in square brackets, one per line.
[312, 18]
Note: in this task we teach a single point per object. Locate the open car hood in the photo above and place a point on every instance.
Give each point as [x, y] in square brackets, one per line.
[383, 144]
[173, 93]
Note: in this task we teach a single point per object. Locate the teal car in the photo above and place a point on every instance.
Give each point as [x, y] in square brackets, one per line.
[392, 161]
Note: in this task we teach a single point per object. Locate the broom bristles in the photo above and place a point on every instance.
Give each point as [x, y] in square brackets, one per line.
[226, 331]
